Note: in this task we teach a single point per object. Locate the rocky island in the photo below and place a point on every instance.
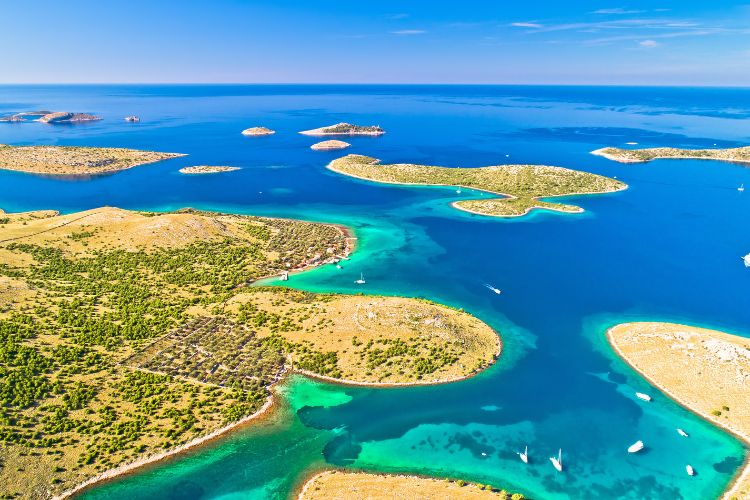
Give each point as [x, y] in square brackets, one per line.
[345, 129]
[738, 155]
[258, 131]
[67, 117]
[51, 117]
[706, 371]
[75, 160]
[24, 116]
[207, 169]
[335, 485]
[330, 145]
[129, 336]
[522, 185]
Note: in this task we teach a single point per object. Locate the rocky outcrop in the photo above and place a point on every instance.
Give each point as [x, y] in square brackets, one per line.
[67, 117]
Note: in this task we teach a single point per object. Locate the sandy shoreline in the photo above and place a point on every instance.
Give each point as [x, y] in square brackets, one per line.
[353, 483]
[744, 473]
[128, 468]
[504, 195]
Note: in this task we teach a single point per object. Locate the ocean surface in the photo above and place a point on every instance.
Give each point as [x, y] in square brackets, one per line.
[668, 248]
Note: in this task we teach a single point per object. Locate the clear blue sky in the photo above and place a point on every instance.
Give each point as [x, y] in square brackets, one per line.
[686, 42]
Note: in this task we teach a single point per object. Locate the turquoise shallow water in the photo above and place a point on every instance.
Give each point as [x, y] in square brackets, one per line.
[667, 248]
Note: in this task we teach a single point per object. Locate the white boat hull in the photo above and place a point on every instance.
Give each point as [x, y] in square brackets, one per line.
[635, 447]
[644, 397]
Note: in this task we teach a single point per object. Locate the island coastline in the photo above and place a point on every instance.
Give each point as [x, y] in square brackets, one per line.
[542, 205]
[75, 161]
[732, 155]
[207, 169]
[742, 477]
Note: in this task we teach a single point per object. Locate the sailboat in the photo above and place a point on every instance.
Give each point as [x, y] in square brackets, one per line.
[643, 396]
[525, 455]
[557, 462]
[689, 469]
[490, 287]
[741, 188]
[746, 259]
[635, 447]
[458, 191]
[682, 433]
[361, 280]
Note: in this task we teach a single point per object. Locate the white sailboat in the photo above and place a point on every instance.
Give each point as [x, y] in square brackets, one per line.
[643, 396]
[682, 433]
[361, 280]
[557, 462]
[689, 469]
[490, 287]
[741, 188]
[746, 260]
[635, 447]
[458, 191]
[525, 455]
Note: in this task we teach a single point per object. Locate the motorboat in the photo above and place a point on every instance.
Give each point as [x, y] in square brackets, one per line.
[635, 447]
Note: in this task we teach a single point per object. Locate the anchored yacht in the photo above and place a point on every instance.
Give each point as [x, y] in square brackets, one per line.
[682, 433]
[361, 280]
[557, 462]
[689, 469]
[525, 455]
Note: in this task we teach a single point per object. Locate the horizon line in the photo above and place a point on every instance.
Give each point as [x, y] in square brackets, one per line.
[394, 84]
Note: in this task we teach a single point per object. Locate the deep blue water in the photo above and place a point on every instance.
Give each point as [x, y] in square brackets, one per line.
[667, 248]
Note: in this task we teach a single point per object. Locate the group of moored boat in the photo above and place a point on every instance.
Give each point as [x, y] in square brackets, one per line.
[638, 445]
[557, 462]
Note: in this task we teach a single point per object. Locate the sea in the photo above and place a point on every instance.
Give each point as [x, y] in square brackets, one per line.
[667, 249]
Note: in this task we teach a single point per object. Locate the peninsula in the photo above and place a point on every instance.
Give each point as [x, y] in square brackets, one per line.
[345, 129]
[75, 160]
[522, 186]
[738, 155]
[257, 131]
[329, 145]
[342, 485]
[706, 371]
[207, 169]
[128, 336]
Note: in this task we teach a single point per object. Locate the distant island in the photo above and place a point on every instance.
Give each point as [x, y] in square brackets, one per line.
[740, 155]
[706, 371]
[207, 169]
[140, 336]
[75, 160]
[523, 185]
[345, 129]
[255, 131]
[345, 484]
[51, 117]
[330, 145]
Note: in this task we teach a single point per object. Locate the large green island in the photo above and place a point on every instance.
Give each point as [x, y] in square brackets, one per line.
[522, 186]
[129, 336]
[739, 155]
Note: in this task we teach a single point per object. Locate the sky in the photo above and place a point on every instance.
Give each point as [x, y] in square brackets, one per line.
[686, 42]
